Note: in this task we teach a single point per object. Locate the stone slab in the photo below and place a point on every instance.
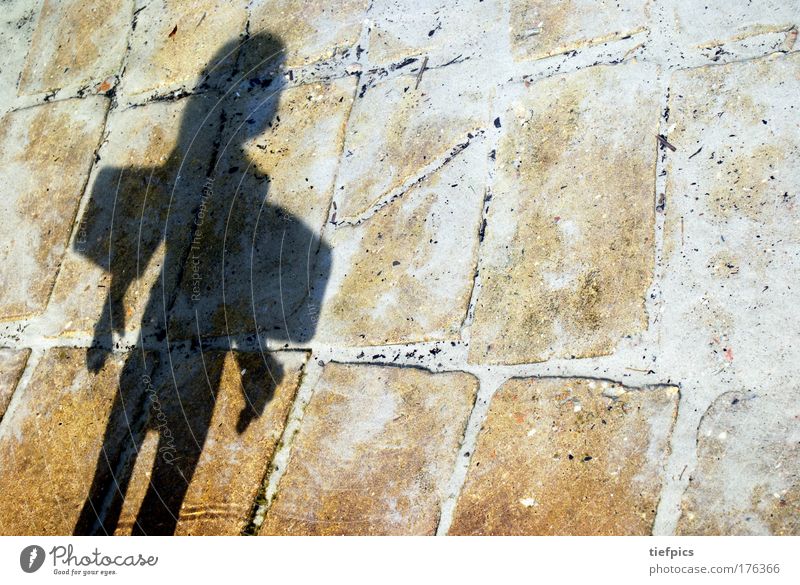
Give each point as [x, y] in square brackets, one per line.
[46, 153]
[731, 245]
[76, 42]
[746, 479]
[374, 453]
[568, 456]
[176, 41]
[419, 128]
[50, 443]
[569, 247]
[405, 275]
[16, 31]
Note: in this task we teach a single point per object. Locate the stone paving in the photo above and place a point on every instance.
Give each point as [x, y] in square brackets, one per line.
[399, 267]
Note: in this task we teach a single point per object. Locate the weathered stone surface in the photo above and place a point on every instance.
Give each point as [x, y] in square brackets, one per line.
[543, 28]
[76, 42]
[747, 476]
[715, 22]
[419, 130]
[258, 241]
[568, 456]
[732, 253]
[359, 195]
[310, 30]
[569, 250]
[406, 274]
[233, 463]
[45, 155]
[740, 181]
[441, 30]
[137, 212]
[374, 453]
[12, 363]
[51, 442]
[16, 30]
[732, 249]
[174, 41]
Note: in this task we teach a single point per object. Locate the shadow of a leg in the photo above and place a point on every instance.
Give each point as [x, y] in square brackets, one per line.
[123, 439]
[169, 483]
[182, 417]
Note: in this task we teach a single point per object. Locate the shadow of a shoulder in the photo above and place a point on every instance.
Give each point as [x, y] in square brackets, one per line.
[236, 263]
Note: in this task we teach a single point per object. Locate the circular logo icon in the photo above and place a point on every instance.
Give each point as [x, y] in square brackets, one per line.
[31, 558]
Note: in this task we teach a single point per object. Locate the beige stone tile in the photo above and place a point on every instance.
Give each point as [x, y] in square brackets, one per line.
[12, 363]
[746, 479]
[76, 42]
[442, 29]
[16, 30]
[50, 443]
[418, 128]
[46, 154]
[134, 199]
[233, 464]
[543, 28]
[310, 30]
[374, 453]
[568, 253]
[406, 274]
[568, 456]
[715, 22]
[259, 236]
[175, 40]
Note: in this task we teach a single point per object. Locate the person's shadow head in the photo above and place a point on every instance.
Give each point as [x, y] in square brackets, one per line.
[226, 261]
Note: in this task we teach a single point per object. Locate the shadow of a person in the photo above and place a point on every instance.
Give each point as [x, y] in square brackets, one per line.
[236, 269]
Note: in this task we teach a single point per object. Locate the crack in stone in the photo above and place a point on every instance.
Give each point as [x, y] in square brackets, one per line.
[389, 197]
